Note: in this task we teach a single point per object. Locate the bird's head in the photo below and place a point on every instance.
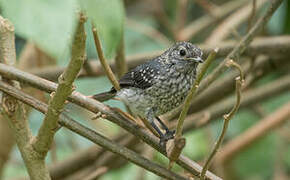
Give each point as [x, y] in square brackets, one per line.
[183, 55]
[186, 51]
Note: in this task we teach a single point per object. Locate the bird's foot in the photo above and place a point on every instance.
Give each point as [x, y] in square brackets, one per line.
[164, 138]
[170, 134]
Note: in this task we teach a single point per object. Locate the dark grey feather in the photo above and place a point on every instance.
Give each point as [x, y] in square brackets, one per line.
[142, 76]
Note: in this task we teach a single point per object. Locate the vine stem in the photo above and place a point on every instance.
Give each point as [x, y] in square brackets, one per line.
[192, 92]
[227, 117]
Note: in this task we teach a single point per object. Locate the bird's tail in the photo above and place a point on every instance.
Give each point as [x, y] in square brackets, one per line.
[105, 96]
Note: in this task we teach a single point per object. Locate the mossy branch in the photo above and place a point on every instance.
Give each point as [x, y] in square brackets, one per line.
[45, 135]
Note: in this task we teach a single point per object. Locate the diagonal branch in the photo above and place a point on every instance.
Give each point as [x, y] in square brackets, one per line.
[224, 29]
[243, 44]
[271, 46]
[250, 97]
[44, 138]
[254, 133]
[95, 106]
[92, 135]
[205, 21]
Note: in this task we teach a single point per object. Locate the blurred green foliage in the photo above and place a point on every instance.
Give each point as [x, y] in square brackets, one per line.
[50, 24]
[108, 17]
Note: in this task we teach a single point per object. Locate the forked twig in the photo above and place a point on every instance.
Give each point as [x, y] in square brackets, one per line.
[227, 117]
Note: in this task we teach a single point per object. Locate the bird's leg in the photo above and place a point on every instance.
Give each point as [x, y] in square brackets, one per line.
[162, 124]
[169, 134]
[163, 138]
[150, 118]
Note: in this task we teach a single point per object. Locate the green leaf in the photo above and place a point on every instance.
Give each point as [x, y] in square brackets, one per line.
[48, 23]
[108, 17]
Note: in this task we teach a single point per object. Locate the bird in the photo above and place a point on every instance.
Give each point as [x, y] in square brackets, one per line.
[159, 85]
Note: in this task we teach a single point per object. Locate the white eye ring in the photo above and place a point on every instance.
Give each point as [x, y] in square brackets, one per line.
[182, 52]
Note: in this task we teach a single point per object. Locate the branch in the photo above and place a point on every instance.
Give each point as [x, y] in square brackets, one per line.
[95, 107]
[224, 29]
[253, 134]
[250, 97]
[240, 48]
[7, 56]
[8, 141]
[120, 59]
[205, 21]
[176, 146]
[253, 14]
[149, 31]
[103, 61]
[209, 7]
[272, 46]
[92, 135]
[161, 16]
[227, 117]
[45, 135]
[225, 85]
[13, 111]
[97, 173]
[181, 15]
[192, 93]
[82, 159]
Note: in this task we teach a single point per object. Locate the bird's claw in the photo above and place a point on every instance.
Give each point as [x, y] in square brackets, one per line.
[167, 136]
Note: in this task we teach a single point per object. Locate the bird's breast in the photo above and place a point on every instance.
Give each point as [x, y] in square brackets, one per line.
[171, 90]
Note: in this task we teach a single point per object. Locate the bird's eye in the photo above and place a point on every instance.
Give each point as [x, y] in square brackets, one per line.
[182, 52]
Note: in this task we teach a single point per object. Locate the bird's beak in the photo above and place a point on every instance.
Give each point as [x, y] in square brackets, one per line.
[197, 59]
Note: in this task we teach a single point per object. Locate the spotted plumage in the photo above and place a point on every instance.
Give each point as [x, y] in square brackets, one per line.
[159, 85]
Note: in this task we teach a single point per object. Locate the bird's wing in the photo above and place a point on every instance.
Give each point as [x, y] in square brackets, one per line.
[143, 76]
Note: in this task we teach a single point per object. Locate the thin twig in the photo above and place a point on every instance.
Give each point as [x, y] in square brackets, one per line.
[224, 29]
[225, 85]
[227, 118]
[84, 158]
[97, 173]
[103, 61]
[95, 107]
[238, 67]
[192, 92]
[120, 59]
[44, 138]
[250, 97]
[161, 16]
[252, 16]
[205, 21]
[272, 46]
[181, 15]
[241, 47]
[92, 135]
[149, 31]
[209, 7]
[254, 133]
